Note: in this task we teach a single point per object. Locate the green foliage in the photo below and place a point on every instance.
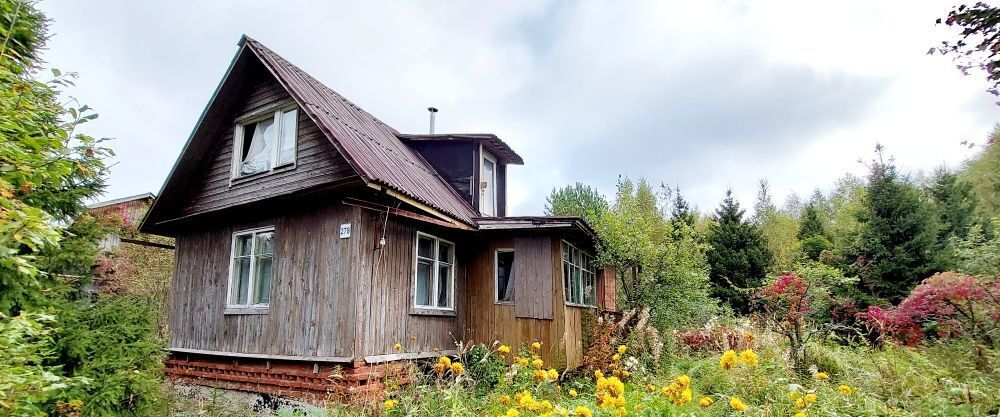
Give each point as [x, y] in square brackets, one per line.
[813, 246]
[660, 264]
[811, 224]
[28, 379]
[112, 342]
[953, 202]
[739, 257]
[485, 368]
[983, 173]
[46, 171]
[897, 246]
[979, 254]
[578, 200]
[778, 229]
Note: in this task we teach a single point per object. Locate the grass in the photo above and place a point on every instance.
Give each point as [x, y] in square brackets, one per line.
[953, 378]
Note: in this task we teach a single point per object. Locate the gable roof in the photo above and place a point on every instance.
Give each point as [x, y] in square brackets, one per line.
[372, 148]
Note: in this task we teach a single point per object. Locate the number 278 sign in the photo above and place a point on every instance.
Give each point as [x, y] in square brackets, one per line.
[345, 231]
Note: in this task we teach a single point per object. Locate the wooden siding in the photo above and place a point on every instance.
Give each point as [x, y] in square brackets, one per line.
[489, 321]
[312, 307]
[454, 161]
[533, 277]
[385, 315]
[317, 161]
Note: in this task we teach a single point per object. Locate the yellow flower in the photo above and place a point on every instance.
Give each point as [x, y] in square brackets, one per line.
[793, 395]
[684, 381]
[397, 347]
[572, 393]
[505, 399]
[728, 360]
[737, 404]
[844, 389]
[439, 368]
[616, 357]
[581, 411]
[800, 414]
[457, 368]
[512, 412]
[622, 349]
[810, 398]
[504, 349]
[536, 345]
[539, 375]
[522, 362]
[748, 338]
[525, 400]
[822, 376]
[537, 363]
[598, 374]
[800, 403]
[445, 360]
[389, 404]
[626, 374]
[553, 374]
[748, 357]
[651, 388]
[706, 402]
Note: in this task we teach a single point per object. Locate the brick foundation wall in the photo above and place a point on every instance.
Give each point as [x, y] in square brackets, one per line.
[315, 384]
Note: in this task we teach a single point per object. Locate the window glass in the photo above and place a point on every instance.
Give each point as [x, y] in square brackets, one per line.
[423, 291]
[445, 252]
[286, 149]
[252, 268]
[425, 247]
[505, 276]
[579, 278]
[489, 188]
[444, 286]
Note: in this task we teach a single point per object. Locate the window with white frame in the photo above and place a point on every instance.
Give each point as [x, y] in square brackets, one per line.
[579, 279]
[504, 268]
[434, 283]
[252, 268]
[488, 186]
[265, 142]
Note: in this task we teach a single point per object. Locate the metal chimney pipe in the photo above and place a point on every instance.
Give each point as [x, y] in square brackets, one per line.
[433, 111]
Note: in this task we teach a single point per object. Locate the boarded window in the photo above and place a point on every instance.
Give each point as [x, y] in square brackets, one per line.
[505, 275]
[534, 264]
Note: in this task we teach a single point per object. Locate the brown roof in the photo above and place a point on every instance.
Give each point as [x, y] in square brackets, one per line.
[536, 222]
[372, 147]
[489, 141]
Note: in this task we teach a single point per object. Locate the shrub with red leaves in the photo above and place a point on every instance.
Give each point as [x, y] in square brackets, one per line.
[946, 305]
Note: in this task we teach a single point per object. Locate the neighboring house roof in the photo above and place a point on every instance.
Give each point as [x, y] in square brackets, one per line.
[372, 147]
[489, 141]
[143, 196]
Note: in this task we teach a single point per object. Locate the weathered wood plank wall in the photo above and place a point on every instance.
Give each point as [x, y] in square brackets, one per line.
[534, 277]
[312, 303]
[317, 160]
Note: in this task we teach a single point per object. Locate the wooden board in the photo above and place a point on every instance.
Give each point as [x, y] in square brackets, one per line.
[533, 277]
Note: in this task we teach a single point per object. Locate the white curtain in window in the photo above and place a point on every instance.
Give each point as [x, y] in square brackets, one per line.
[258, 157]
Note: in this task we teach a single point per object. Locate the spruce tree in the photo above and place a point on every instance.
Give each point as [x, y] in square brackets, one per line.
[811, 224]
[578, 200]
[954, 204]
[680, 212]
[897, 244]
[739, 258]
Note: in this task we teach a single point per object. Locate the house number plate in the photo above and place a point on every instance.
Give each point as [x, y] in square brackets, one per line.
[345, 231]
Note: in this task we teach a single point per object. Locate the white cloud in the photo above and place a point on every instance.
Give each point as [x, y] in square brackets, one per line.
[708, 94]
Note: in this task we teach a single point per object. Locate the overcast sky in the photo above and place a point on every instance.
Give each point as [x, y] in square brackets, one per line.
[704, 94]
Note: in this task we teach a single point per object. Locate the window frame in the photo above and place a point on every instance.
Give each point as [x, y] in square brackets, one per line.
[273, 113]
[486, 156]
[583, 279]
[496, 276]
[435, 273]
[232, 308]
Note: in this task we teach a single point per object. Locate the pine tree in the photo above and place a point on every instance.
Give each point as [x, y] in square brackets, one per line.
[680, 212]
[898, 238]
[739, 258]
[811, 224]
[578, 200]
[954, 203]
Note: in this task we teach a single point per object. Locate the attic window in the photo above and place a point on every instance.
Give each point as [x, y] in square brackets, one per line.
[265, 142]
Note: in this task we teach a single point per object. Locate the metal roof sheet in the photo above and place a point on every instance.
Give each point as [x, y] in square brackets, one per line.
[371, 146]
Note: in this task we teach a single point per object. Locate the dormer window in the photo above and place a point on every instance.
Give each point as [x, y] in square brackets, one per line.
[264, 142]
[488, 185]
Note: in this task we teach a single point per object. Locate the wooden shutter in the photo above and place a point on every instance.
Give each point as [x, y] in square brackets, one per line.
[533, 277]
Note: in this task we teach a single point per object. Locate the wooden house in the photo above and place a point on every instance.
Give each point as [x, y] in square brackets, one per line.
[311, 238]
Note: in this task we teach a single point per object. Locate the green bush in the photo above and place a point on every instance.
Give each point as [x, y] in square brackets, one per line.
[485, 368]
[113, 343]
